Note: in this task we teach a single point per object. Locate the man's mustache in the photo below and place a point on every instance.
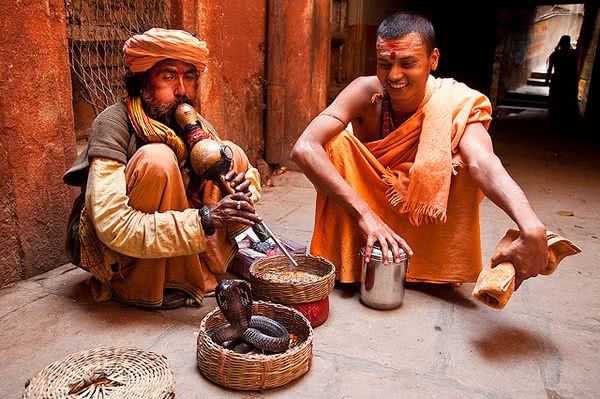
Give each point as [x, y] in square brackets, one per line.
[164, 112]
[182, 100]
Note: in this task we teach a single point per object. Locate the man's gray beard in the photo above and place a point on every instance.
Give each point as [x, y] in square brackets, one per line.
[164, 113]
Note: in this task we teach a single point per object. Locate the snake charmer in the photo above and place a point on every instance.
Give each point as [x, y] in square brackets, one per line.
[148, 230]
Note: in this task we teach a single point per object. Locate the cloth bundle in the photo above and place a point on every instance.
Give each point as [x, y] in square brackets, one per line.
[495, 286]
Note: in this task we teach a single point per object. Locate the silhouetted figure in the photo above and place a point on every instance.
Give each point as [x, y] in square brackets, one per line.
[562, 74]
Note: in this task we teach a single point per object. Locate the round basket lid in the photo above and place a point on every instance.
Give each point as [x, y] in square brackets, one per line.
[105, 373]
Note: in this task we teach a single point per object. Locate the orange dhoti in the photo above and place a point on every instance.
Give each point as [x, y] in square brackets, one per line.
[443, 252]
[155, 184]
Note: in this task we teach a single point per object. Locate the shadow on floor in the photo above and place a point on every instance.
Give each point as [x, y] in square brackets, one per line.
[509, 344]
[445, 292]
[347, 290]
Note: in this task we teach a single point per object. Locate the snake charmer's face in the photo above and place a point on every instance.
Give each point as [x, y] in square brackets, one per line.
[403, 66]
[169, 83]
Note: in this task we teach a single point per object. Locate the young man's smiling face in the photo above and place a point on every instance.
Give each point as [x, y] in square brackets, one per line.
[403, 66]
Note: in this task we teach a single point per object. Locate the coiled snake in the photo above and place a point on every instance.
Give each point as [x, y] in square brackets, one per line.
[245, 331]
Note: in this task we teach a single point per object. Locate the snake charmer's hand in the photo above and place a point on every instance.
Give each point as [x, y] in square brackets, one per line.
[374, 229]
[528, 254]
[238, 182]
[235, 208]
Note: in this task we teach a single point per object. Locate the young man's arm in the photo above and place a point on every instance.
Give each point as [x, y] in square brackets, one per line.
[529, 252]
[309, 154]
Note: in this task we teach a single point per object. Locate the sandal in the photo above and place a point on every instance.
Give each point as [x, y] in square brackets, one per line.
[173, 299]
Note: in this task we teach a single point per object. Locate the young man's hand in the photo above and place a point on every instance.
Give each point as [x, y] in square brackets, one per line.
[374, 229]
[528, 254]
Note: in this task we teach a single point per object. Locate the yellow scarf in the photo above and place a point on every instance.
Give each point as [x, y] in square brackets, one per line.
[152, 131]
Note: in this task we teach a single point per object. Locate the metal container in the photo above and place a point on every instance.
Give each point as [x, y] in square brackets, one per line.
[382, 286]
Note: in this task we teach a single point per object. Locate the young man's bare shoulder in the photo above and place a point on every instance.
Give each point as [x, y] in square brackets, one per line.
[365, 86]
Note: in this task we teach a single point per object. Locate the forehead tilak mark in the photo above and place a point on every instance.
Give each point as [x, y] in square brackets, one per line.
[410, 41]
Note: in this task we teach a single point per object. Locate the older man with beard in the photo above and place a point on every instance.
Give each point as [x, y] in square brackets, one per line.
[148, 237]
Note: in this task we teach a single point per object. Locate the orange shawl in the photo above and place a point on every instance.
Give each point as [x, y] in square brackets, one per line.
[418, 155]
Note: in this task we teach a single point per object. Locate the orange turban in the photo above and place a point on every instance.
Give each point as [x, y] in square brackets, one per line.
[156, 44]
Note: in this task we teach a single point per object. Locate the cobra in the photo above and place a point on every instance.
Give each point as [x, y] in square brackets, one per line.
[245, 331]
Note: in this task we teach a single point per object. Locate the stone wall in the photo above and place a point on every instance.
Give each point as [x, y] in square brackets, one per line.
[545, 34]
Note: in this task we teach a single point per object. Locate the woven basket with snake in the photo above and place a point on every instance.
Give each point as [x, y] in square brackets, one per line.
[292, 292]
[107, 373]
[256, 372]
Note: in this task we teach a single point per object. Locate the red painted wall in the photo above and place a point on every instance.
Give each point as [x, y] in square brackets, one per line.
[232, 90]
[37, 138]
[298, 71]
[37, 141]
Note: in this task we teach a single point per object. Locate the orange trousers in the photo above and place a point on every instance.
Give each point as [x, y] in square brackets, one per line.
[155, 184]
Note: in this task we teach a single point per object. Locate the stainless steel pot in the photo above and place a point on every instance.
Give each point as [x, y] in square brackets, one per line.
[382, 286]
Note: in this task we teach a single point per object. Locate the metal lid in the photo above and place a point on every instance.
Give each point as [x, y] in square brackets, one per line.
[376, 254]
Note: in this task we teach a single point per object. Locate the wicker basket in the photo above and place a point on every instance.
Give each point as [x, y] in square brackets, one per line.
[107, 373]
[292, 293]
[256, 372]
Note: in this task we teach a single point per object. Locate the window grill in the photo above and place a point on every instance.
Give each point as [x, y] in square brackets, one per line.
[97, 30]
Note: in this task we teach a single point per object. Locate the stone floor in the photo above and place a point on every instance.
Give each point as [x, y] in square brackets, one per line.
[440, 343]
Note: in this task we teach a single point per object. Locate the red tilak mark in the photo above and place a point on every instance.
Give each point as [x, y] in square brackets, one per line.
[182, 71]
[390, 45]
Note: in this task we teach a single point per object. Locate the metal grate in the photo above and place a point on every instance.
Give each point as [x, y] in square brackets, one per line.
[97, 30]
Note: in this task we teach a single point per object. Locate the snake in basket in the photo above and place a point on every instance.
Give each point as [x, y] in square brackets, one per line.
[245, 332]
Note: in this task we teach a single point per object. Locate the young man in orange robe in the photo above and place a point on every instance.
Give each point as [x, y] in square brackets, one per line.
[411, 172]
